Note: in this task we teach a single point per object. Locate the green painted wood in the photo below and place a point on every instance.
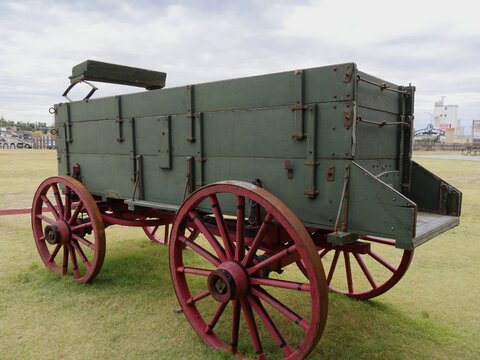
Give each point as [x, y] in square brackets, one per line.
[241, 129]
[433, 194]
[377, 209]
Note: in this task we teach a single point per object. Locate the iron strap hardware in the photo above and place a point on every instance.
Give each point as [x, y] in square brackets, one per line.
[137, 169]
[68, 126]
[137, 193]
[119, 119]
[311, 162]
[299, 107]
[199, 151]
[381, 86]
[406, 151]
[189, 181]
[133, 150]
[190, 114]
[382, 123]
[347, 75]
[289, 168]
[68, 138]
[165, 148]
[342, 214]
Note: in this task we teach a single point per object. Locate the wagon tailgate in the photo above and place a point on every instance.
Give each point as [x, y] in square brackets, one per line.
[377, 209]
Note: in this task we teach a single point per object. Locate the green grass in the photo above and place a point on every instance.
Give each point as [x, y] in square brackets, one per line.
[129, 311]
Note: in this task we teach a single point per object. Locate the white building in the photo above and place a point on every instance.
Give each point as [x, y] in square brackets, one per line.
[446, 117]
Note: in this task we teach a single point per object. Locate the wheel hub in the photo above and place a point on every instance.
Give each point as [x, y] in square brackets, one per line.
[58, 233]
[229, 282]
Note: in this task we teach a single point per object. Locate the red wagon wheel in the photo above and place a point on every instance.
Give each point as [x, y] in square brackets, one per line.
[365, 269]
[217, 278]
[155, 235]
[68, 229]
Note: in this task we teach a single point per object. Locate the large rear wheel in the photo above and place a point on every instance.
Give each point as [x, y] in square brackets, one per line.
[234, 282]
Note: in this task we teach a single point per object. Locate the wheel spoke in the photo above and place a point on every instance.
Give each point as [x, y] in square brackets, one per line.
[76, 271]
[78, 208]
[348, 270]
[84, 241]
[166, 230]
[50, 207]
[208, 235]
[58, 199]
[68, 203]
[270, 325]
[200, 250]
[218, 313]
[154, 230]
[240, 234]
[65, 260]
[198, 297]
[282, 308]
[54, 253]
[382, 261]
[194, 271]
[258, 239]
[82, 255]
[365, 270]
[323, 253]
[252, 327]
[81, 226]
[217, 211]
[272, 259]
[290, 285]
[333, 266]
[379, 240]
[46, 219]
[235, 325]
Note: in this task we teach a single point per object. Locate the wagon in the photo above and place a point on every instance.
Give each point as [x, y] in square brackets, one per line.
[256, 184]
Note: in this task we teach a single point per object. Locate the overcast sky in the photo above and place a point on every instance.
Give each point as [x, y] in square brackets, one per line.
[435, 45]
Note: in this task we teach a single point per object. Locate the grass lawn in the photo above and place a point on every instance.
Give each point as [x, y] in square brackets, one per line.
[129, 311]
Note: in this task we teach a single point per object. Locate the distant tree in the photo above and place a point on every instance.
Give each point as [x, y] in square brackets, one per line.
[22, 125]
[5, 123]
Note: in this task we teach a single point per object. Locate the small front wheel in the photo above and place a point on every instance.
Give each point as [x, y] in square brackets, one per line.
[68, 228]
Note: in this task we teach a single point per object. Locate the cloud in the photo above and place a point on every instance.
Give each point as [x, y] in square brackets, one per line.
[434, 47]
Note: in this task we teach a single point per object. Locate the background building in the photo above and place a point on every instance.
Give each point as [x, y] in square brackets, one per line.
[446, 118]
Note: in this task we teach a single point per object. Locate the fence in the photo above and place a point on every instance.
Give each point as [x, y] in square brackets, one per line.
[438, 146]
[43, 142]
